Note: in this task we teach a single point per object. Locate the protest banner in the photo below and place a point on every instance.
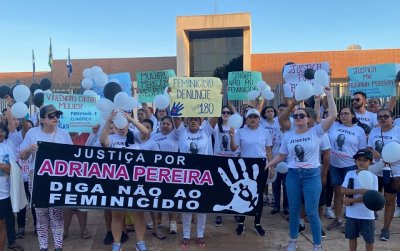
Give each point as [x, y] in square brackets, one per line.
[241, 82]
[122, 78]
[375, 80]
[93, 177]
[293, 74]
[79, 111]
[195, 96]
[152, 83]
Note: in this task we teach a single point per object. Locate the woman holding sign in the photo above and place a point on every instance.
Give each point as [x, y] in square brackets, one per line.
[48, 131]
[300, 148]
[124, 138]
[194, 140]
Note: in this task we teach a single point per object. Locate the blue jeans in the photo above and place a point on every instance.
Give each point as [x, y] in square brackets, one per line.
[306, 182]
[276, 190]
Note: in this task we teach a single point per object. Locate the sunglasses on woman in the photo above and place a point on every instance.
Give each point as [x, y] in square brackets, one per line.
[299, 116]
[226, 112]
[53, 116]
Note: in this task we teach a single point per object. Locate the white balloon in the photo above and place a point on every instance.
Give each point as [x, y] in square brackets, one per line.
[48, 91]
[376, 168]
[261, 86]
[19, 110]
[252, 95]
[391, 152]
[86, 73]
[90, 93]
[95, 70]
[270, 180]
[87, 83]
[235, 121]
[131, 104]
[120, 121]
[282, 167]
[318, 90]
[101, 79]
[21, 93]
[104, 105]
[267, 87]
[366, 179]
[120, 99]
[321, 78]
[37, 91]
[104, 115]
[161, 101]
[303, 91]
[268, 95]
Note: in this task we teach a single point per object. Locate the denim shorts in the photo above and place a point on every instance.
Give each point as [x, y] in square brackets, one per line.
[355, 227]
[338, 174]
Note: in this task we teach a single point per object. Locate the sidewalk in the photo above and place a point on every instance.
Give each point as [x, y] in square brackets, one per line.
[217, 238]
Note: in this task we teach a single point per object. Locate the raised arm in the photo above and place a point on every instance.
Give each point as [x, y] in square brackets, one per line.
[104, 140]
[283, 120]
[317, 108]
[142, 129]
[327, 123]
[10, 118]
[146, 110]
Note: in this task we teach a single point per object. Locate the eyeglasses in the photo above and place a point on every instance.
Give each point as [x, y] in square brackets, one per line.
[226, 112]
[252, 116]
[53, 116]
[384, 117]
[299, 116]
[344, 113]
[373, 102]
[355, 99]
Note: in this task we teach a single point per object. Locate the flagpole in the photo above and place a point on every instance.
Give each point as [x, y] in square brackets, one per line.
[69, 72]
[51, 61]
[33, 67]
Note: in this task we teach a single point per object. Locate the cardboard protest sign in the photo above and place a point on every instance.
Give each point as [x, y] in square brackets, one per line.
[152, 83]
[79, 111]
[241, 82]
[93, 177]
[375, 80]
[195, 96]
[293, 74]
[122, 78]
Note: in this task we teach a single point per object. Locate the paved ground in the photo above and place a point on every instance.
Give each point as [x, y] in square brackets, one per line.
[217, 238]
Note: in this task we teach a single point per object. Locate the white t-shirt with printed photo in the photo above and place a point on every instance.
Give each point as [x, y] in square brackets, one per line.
[168, 142]
[118, 141]
[358, 210]
[303, 150]
[276, 133]
[375, 142]
[252, 142]
[149, 145]
[368, 118]
[195, 143]
[345, 142]
[223, 142]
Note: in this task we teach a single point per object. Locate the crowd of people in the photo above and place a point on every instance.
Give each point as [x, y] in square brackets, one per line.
[323, 150]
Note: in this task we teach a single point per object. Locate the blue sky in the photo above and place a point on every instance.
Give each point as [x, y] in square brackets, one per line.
[143, 28]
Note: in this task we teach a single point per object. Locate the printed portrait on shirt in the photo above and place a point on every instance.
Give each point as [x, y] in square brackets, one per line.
[298, 149]
[194, 149]
[339, 142]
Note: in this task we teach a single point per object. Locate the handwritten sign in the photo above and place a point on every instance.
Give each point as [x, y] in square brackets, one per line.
[79, 111]
[122, 78]
[195, 96]
[241, 82]
[152, 83]
[375, 80]
[294, 74]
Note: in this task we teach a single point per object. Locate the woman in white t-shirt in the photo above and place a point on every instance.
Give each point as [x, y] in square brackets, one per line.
[254, 141]
[167, 139]
[300, 148]
[379, 136]
[123, 138]
[47, 131]
[194, 140]
[346, 139]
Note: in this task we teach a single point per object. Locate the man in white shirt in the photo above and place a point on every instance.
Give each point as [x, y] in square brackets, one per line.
[359, 101]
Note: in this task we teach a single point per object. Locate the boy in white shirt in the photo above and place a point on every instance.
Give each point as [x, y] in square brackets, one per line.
[359, 219]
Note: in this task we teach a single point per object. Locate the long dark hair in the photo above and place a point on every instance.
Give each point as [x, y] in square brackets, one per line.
[170, 120]
[4, 128]
[220, 122]
[268, 107]
[130, 139]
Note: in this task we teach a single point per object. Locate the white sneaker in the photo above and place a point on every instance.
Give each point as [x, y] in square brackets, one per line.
[150, 225]
[292, 246]
[329, 213]
[173, 228]
[317, 248]
[396, 213]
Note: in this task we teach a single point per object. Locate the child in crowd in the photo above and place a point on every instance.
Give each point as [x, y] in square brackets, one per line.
[359, 219]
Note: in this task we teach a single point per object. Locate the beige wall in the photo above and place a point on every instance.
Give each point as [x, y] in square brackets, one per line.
[184, 24]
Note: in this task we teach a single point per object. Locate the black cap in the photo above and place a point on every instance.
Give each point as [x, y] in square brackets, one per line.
[48, 109]
[364, 153]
